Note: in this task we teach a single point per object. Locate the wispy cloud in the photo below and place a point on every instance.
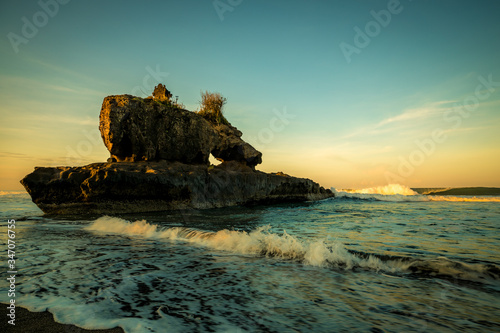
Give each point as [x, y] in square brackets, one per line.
[6, 154]
[11, 81]
[47, 161]
[85, 121]
[30, 121]
[410, 118]
[26, 157]
[61, 70]
[468, 129]
[412, 114]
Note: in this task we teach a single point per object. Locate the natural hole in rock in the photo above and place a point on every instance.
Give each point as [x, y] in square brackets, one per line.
[213, 160]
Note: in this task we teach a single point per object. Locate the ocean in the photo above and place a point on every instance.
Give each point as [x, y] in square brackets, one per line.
[376, 260]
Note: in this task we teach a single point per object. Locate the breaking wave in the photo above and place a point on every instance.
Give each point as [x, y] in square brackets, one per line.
[13, 193]
[392, 189]
[263, 242]
[462, 199]
[397, 192]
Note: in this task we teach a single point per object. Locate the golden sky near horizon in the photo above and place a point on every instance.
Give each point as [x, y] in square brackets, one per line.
[417, 103]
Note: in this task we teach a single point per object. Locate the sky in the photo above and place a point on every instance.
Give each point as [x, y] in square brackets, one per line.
[351, 94]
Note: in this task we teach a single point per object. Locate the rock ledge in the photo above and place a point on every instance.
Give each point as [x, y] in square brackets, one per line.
[131, 187]
[160, 161]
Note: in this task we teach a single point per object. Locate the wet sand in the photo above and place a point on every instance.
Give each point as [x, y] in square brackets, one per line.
[41, 322]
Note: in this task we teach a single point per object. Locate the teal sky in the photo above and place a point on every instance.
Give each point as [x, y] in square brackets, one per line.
[363, 120]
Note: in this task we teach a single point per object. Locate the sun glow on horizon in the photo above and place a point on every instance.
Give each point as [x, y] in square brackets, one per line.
[406, 109]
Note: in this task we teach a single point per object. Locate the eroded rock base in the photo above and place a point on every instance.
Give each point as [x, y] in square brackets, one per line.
[109, 188]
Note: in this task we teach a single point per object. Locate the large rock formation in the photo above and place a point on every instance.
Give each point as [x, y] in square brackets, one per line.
[136, 129]
[107, 188]
[159, 161]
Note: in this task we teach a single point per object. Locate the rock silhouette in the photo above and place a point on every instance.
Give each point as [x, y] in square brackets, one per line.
[160, 161]
[136, 129]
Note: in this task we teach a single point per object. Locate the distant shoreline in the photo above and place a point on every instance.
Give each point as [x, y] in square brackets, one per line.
[41, 322]
[494, 191]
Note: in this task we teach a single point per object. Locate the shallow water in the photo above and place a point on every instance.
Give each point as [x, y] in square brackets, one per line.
[345, 264]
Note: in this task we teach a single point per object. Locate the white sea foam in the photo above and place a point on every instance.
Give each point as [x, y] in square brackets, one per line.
[66, 311]
[315, 253]
[13, 193]
[391, 189]
[462, 198]
[397, 192]
[392, 192]
[258, 242]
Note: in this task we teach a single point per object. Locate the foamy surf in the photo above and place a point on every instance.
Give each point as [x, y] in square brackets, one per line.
[2, 193]
[462, 199]
[401, 193]
[391, 189]
[258, 242]
[262, 242]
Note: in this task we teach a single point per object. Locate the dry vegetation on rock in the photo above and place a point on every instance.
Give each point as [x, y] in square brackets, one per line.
[211, 107]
